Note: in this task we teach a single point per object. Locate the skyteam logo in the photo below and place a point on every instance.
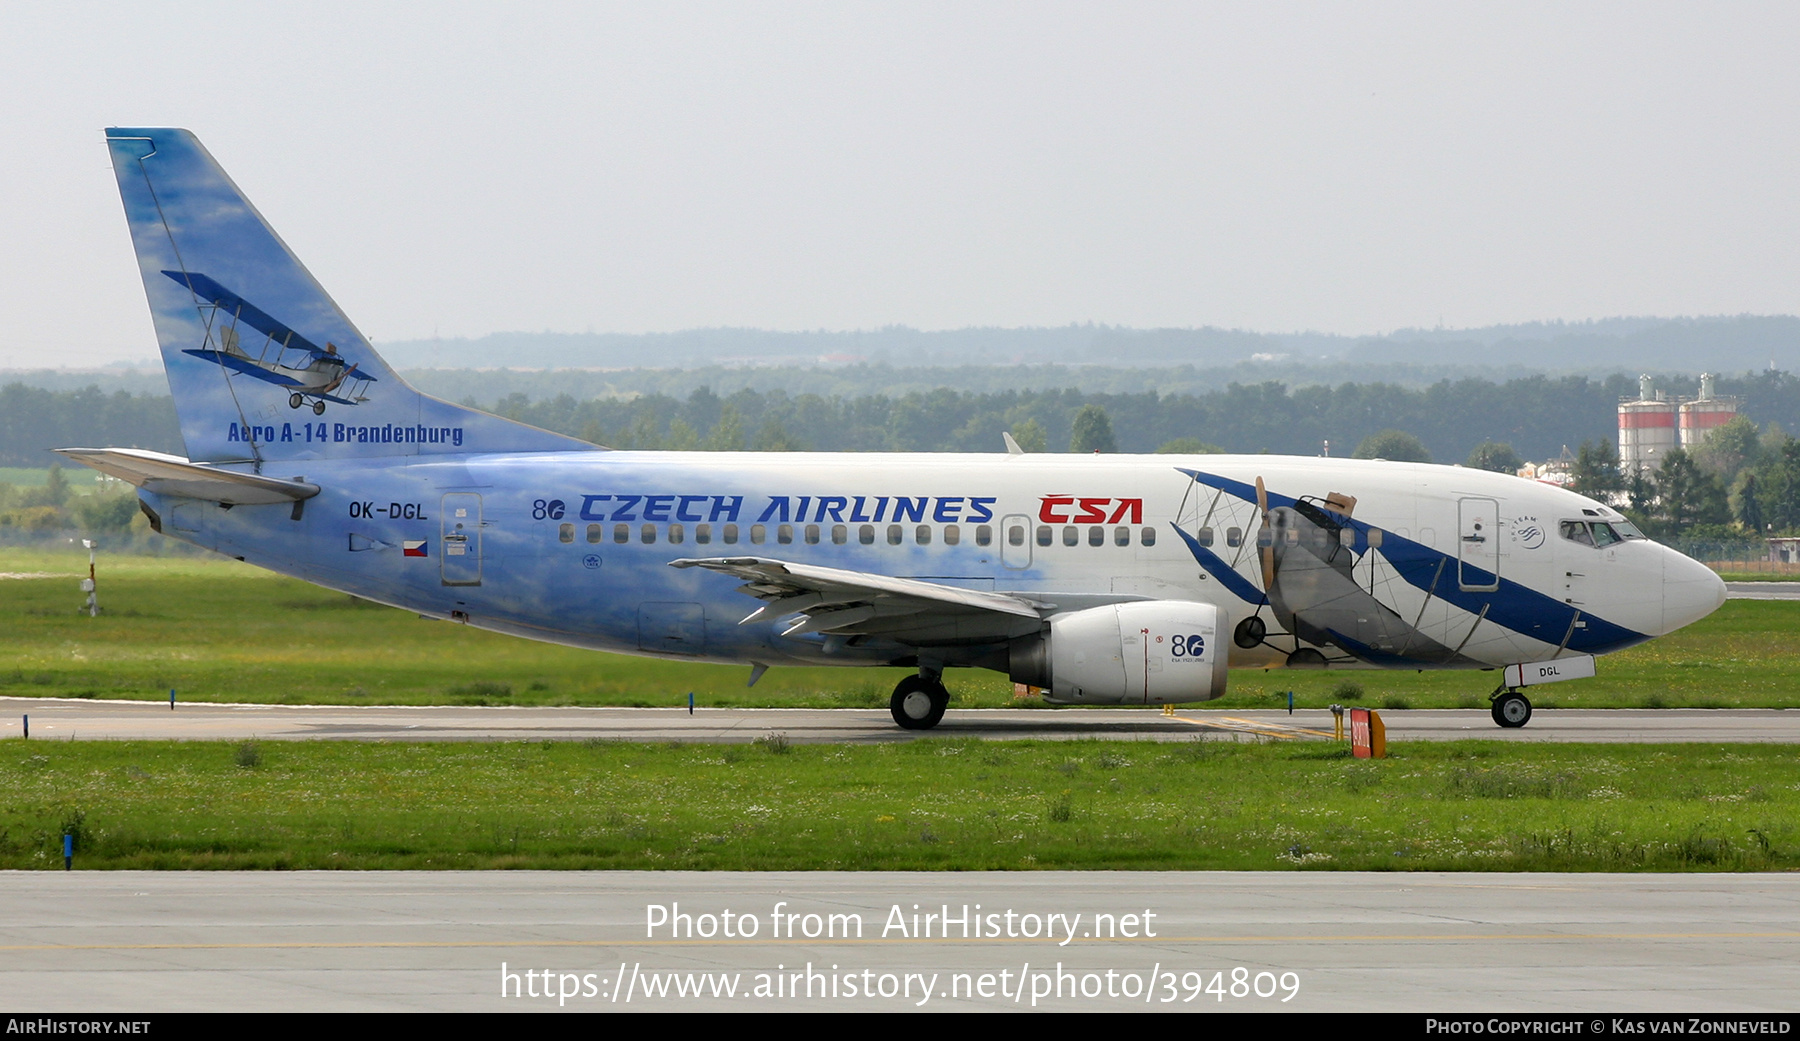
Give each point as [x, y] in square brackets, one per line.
[1528, 533]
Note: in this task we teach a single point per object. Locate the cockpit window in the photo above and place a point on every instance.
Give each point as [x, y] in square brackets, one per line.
[1577, 531]
[1600, 533]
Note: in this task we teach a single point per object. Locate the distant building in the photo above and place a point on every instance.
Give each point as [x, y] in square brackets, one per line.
[1784, 550]
[1559, 471]
[1653, 424]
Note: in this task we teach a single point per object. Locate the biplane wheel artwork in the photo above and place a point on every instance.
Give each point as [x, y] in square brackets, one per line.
[918, 703]
[295, 400]
[1250, 632]
[318, 408]
[1512, 710]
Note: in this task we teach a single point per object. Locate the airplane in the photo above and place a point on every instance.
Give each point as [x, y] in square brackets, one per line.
[314, 375]
[1093, 580]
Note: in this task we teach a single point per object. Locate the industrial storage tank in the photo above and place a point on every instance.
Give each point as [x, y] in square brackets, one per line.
[1704, 414]
[1647, 429]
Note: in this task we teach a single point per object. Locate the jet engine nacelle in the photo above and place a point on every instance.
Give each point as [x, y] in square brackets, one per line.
[1147, 652]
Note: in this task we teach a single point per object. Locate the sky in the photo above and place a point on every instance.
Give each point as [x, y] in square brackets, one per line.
[459, 169]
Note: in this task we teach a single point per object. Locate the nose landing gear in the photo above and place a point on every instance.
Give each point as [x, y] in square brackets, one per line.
[1511, 709]
[919, 702]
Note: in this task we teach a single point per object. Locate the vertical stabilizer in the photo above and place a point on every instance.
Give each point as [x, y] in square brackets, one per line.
[263, 365]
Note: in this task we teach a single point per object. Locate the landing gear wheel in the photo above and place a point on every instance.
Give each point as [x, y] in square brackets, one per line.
[294, 400]
[918, 703]
[318, 408]
[1512, 710]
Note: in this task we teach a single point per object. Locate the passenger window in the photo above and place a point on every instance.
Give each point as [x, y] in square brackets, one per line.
[702, 534]
[565, 533]
[1015, 536]
[1070, 535]
[894, 534]
[621, 533]
[594, 533]
[952, 534]
[984, 534]
[1096, 536]
[758, 534]
[784, 534]
[1234, 537]
[675, 533]
[1043, 535]
[647, 534]
[866, 534]
[839, 534]
[922, 535]
[1121, 536]
[1347, 538]
[1147, 536]
[1206, 536]
[1374, 538]
[812, 534]
[731, 534]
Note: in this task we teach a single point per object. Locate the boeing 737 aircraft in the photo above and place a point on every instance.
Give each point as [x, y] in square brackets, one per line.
[1099, 580]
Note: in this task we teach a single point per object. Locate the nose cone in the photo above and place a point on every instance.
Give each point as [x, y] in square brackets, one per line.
[1691, 591]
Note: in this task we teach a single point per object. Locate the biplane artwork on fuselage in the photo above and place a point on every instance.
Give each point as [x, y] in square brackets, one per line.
[285, 358]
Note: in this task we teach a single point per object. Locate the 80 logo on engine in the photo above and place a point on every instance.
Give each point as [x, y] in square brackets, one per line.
[1193, 646]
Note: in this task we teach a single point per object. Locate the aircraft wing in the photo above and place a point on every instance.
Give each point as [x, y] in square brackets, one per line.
[206, 289]
[857, 603]
[245, 366]
[173, 475]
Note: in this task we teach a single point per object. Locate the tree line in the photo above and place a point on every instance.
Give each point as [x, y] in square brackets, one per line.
[1479, 421]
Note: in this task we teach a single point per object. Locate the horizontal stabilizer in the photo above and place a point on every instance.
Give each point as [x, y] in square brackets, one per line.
[173, 475]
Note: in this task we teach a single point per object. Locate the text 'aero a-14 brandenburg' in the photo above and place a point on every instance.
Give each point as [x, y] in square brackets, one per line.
[1098, 579]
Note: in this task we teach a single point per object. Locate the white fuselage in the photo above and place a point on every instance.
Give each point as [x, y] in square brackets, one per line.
[1441, 566]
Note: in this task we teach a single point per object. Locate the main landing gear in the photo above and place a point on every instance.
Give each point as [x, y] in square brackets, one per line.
[296, 400]
[919, 702]
[1511, 708]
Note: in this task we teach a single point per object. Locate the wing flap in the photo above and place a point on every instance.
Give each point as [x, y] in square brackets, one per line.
[840, 602]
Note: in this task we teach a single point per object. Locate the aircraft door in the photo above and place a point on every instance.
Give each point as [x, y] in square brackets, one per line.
[459, 557]
[1015, 540]
[1478, 545]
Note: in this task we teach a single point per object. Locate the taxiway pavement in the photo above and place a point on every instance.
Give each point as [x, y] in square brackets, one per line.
[65, 719]
[1353, 941]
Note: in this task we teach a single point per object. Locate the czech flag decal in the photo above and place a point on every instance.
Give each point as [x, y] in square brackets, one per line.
[412, 548]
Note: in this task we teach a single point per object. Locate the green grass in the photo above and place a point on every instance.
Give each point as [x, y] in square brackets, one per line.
[926, 805]
[218, 630]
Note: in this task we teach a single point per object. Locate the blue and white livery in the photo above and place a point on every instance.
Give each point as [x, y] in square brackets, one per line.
[1096, 579]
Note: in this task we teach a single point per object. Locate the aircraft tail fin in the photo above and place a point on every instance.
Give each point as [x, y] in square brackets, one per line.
[262, 364]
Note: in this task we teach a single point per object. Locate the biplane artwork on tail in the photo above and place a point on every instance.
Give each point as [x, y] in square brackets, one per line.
[286, 359]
